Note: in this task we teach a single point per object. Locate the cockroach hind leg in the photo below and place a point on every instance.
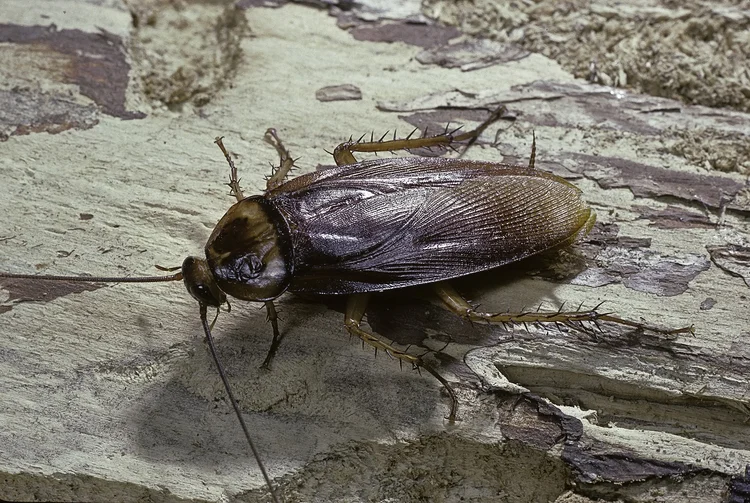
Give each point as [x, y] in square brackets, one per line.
[343, 154]
[577, 319]
[355, 310]
[285, 160]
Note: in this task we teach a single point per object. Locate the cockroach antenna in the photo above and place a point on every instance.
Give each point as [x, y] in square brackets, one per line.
[96, 279]
[230, 395]
[190, 274]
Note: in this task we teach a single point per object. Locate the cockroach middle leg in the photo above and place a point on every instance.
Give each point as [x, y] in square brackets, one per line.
[455, 303]
[344, 153]
[355, 310]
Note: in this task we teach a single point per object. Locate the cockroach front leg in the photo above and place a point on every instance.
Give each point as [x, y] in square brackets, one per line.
[458, 305]
[278, 174]
[355, 310]
[272, 318]
[234, 182]
[344, 153]
[236, 191]
[285, 160]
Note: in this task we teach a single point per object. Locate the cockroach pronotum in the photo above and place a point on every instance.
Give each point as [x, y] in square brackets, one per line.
[376, 225]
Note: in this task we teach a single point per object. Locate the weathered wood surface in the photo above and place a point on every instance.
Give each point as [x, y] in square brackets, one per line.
[108, 392]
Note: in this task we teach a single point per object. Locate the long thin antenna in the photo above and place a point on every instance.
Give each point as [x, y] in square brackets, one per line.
[206, 328]
[95, 279]
[230, 395]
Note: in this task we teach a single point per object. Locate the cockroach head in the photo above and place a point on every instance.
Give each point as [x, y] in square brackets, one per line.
[200, 282]
[249, 253]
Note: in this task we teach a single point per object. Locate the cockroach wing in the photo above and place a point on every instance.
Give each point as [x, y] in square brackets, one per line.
[391, 223]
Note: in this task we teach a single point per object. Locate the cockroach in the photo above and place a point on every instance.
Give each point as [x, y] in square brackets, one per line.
[364, 227]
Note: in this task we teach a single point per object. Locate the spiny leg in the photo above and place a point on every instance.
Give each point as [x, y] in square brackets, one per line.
[458, 305]
[285, 160]
[234, 182]
[235, 190]
[344, 153]
[356, 306]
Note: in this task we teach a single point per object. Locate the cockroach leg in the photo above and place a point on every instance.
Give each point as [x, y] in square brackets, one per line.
[273, 318]
[344, 153]
[356, 306]
[454, 399]
[285, 160]
[274, 181]
[574, 319]
[355, 310]
[234, 182]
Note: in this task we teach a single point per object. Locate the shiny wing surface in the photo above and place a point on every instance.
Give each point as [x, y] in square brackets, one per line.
[386, 224]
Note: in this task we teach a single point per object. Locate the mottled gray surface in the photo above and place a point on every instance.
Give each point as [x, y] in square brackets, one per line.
[108, 392]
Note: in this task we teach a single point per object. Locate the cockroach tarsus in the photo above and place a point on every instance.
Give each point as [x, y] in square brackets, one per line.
[366, 227]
